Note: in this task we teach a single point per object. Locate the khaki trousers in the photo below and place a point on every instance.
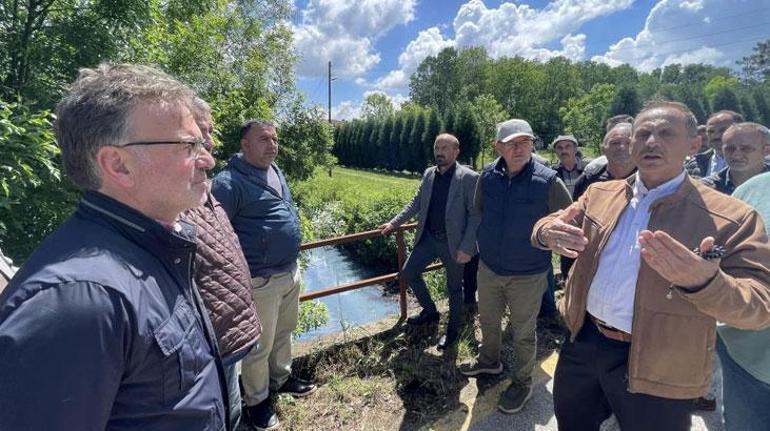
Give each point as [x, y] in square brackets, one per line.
[522, 294]
[268, 366]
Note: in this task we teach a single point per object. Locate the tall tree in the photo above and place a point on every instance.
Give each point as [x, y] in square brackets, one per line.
[395, 142]
[626, 101]
[756, 67]
[432, 129]
[763, 110]
[725, 98]
[468, 135]
[416, 160]
[487, 113]
[384, 159]
[377, 105]
[584, 116]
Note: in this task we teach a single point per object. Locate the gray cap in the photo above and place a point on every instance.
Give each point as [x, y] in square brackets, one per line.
[512, 129]
[569, 138]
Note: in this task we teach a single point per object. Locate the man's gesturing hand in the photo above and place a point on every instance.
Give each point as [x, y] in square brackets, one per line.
[675, 262]
[561, 236]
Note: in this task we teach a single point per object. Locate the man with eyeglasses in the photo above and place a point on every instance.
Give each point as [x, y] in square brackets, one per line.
[103, 328]
[254, 193]
[512, 193]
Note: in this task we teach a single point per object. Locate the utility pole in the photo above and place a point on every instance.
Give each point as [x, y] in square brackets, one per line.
[330, 92]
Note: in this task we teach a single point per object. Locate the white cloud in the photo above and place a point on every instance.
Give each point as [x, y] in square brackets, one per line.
[348, 109]
[511, 29]
[717, 32]
[508, 30]
[428, 42]
[343, 32]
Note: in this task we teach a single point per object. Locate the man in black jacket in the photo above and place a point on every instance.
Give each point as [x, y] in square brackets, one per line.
[103, 328]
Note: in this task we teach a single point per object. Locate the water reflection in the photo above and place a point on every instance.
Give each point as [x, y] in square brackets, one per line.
[328, 267]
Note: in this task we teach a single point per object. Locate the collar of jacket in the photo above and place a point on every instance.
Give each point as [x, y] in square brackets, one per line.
[682, 192]
[500, 167]
[238, 163]
[135, 225]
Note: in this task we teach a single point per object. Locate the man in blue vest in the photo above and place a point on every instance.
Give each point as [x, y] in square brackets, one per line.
[511, 194]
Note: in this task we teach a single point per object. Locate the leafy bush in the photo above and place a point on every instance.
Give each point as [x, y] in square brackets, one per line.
[33, 198]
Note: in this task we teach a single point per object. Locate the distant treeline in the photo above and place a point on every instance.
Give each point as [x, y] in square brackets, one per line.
[467, 92]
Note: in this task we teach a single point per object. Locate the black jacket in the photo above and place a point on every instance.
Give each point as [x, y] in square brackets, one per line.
[102, 329]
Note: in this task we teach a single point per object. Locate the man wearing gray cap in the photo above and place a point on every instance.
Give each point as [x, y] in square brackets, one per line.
[570, 165]
[512, 193]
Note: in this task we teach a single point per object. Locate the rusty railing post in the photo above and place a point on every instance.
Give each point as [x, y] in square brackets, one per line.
[401, 253]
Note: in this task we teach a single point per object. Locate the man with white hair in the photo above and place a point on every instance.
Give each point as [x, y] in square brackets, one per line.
[512, 193]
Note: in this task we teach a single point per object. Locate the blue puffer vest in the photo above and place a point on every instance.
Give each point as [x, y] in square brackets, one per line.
[511, 206]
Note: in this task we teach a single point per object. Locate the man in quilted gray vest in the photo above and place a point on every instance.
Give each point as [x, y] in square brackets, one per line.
[222, 276]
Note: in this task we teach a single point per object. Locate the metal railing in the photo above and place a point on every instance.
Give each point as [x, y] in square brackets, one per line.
[360, 236]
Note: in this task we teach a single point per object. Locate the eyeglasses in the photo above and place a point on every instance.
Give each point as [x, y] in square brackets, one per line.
[195, 146]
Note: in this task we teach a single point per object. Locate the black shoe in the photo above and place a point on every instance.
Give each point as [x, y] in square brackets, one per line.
[423, 318]
[261, 417]
[446, 342]
[297, 387]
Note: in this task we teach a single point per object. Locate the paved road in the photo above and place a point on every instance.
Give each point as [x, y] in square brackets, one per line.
[479, 412]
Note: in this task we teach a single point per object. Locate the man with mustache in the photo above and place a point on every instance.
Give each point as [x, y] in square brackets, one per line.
[570, 166]
[640, 304]
[707, 163]
[744, 146]
[616, 148]
[103, 328]
[446, 229]
[256, 197]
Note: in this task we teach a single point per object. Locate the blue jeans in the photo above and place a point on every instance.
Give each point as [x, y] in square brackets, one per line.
[746, 400]
[234, 393]
[425, 251]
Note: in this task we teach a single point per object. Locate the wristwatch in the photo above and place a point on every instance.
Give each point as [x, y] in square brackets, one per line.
[715, 252]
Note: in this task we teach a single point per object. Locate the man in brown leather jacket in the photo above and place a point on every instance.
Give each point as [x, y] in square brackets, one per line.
[223, 279]
[640, 305]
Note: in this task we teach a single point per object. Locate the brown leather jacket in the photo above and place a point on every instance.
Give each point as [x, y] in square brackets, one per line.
[673, 339]
[223, 278]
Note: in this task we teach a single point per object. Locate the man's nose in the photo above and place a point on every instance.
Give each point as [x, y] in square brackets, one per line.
[205, 160]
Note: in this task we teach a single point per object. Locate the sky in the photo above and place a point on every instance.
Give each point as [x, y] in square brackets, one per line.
[375, 45]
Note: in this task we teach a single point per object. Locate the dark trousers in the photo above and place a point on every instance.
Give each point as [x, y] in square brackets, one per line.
[548, 305]
[425, 251]
[591, 382]
[470, 284]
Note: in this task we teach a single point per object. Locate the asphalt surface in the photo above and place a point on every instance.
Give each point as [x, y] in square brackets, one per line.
[479, 411]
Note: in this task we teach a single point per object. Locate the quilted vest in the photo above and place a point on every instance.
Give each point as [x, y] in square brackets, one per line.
[510, 208]
[223, 279]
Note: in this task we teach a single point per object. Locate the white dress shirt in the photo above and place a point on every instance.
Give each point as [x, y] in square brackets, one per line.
[716, 164]
[611, 295]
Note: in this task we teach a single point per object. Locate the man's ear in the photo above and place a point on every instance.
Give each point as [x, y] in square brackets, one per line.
[115, 166]
[767, 151]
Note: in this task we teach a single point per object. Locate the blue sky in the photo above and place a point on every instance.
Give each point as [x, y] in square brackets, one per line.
[374, 45]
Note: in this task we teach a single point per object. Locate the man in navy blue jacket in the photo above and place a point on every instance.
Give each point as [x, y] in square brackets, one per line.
[512, 192]
[102, 328]
[254, 193]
